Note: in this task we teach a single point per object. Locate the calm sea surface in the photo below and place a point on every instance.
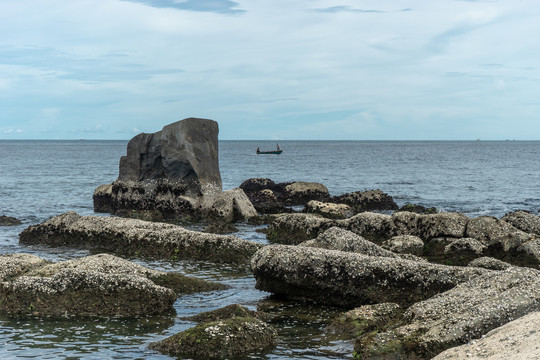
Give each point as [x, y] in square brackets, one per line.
[41, 179]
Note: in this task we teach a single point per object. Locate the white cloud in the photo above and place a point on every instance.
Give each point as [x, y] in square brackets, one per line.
[140, 66]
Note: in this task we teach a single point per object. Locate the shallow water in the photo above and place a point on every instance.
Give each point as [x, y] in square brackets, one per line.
[41, 179]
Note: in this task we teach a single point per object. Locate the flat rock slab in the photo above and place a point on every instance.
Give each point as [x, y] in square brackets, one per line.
[138, 238]
[517, 340]
[452, 318]
[350, 279]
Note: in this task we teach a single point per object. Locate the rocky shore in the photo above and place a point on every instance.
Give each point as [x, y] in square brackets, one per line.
[410, 283]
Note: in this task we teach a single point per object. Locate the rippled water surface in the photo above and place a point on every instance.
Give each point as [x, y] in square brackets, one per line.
[41, 179]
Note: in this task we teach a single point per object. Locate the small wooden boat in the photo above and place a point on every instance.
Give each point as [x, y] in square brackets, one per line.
[276, 152]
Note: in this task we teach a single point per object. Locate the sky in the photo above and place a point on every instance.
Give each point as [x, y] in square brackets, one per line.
[271, 69]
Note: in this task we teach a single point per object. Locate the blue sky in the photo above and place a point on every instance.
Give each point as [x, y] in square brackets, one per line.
[271, 69]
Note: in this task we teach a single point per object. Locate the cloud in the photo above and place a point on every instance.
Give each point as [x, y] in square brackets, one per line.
[10, 131]
[338, 9]
[217, 6]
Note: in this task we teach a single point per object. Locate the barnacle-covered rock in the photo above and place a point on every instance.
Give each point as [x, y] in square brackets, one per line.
[220, 339]
[138, 238]
[468, 311]
[350, 279]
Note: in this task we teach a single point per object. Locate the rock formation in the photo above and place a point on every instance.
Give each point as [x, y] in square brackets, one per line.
[223, 334]
[98, 285]
[173, 174]
[351, 279]
[138, 238]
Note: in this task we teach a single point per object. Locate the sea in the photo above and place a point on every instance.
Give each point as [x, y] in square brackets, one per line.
[42, 179]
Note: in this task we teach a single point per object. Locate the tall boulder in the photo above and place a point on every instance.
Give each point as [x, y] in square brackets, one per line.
[185, 151]
[173, 174]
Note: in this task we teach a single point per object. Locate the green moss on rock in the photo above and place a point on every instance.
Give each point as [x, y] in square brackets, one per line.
[220, 339]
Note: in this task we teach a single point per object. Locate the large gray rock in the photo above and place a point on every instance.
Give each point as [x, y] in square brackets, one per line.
[351, 279]
[454, 317]
[184, 151]
[173, 174]
[517, 340]
[329, 210]
[405, 244]
[138, 238]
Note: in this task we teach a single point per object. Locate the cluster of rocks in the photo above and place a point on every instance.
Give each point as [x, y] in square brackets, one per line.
[269, 197]
[98, 285]
[450, 238]
[404, 307]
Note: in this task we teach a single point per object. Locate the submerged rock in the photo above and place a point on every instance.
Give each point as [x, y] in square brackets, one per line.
[138, 238]
[456, 316]
[349, 279]
[9, 221]
[220, 339]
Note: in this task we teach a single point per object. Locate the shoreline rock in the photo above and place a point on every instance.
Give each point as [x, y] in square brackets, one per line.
[228, 332]
[348, 279]
[465, 312]
[173, 174]
[138, 238]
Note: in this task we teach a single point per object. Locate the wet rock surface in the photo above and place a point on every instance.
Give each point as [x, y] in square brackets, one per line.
[364, 319]
[349, 279]
[138, 238]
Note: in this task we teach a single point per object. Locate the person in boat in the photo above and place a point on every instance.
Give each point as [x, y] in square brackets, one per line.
[258, 150]
[277, 147]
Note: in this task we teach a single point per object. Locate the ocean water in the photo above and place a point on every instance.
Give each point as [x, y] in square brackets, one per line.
[41, 179]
